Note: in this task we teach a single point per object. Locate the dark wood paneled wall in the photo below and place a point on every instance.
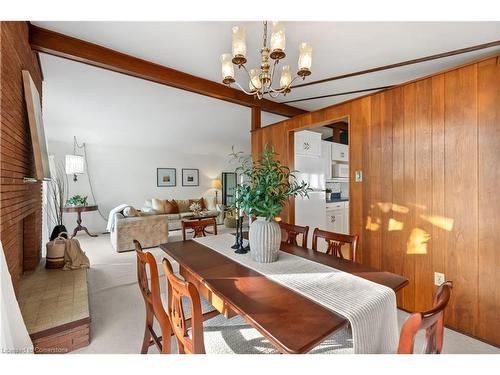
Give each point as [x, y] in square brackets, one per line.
[429, 151]
[21, 204]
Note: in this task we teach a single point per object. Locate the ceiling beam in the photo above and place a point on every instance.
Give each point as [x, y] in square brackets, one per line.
[404, 63]
[53, 43]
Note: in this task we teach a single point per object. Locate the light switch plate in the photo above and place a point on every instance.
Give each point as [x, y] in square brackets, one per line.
[358, 176]
[438, 278]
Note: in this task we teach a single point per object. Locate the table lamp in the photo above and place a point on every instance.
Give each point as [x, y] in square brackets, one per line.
[216, 184]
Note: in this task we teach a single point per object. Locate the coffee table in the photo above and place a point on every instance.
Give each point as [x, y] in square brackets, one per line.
[199, 228]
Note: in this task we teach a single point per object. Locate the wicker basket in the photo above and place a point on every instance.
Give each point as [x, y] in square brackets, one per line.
[55, 252]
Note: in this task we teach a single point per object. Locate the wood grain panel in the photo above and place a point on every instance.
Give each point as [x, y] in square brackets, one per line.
[438, 239]
[461, 201]
[422, 240]
[428, 150]
[371, 164]
[409, 192]
[488, 319]
[386, 178]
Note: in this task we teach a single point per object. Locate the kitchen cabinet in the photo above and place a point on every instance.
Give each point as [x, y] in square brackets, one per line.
[337, 217]
[308, 143]
[340, 152]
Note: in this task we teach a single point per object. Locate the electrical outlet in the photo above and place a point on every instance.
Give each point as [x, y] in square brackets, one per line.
[438, 278]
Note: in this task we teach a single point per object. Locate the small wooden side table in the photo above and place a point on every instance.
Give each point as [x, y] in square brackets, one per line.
[79, 210]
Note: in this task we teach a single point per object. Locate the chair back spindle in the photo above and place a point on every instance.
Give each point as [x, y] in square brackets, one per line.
[189, 341]
[335, 241]
[293, 231]
[151, 294]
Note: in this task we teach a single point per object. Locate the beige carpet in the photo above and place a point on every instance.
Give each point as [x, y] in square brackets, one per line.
[117, 312]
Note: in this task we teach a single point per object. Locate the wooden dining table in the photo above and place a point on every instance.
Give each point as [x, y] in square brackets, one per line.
[290, 321]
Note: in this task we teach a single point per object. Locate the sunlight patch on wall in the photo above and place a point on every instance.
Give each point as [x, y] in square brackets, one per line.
[417, 241]
[394, 225]
[387, 206]
[442, 222]
[372, 224]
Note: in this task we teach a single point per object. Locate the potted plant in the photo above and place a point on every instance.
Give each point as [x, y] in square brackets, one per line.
[266, 188]
[77, 200]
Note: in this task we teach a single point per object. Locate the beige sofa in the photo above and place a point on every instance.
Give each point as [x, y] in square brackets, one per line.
[151, 227]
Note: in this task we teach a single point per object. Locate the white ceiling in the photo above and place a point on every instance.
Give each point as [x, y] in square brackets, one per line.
[107, 108]
[338, 47]
[104, 107]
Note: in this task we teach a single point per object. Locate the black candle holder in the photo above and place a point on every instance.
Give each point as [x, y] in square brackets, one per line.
[238, 245]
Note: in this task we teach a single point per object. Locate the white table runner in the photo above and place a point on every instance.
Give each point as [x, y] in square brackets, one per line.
[369, 307]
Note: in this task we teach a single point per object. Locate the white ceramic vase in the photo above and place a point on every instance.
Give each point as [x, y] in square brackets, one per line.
[265, 239]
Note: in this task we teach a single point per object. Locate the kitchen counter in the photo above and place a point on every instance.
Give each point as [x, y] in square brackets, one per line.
[337, 200]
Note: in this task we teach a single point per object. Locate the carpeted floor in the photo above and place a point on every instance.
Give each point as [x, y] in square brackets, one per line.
[117, 312]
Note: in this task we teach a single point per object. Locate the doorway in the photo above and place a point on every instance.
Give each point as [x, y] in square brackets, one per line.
[321, 157]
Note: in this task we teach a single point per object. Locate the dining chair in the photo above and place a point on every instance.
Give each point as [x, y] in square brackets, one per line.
[293, 231]
[335, 242]
[177, 290]
[431, 321]
[152, 298]
[199, 227]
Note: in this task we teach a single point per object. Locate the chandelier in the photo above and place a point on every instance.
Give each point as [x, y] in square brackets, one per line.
[260, 81]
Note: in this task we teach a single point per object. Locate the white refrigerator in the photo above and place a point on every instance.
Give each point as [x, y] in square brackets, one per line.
[311, 211]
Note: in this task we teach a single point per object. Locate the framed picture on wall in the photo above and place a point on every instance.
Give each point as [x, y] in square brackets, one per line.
[190, 177]
[166, 177]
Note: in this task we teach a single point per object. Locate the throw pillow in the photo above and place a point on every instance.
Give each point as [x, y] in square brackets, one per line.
[171, 207]
[130, 212]
[158, 205]
[183, 205]
[200, 201]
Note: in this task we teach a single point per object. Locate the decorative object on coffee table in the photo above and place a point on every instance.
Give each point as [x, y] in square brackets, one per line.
[263, 192]
[79, 210]
[195, 208]
[190, 177]
[166, 177]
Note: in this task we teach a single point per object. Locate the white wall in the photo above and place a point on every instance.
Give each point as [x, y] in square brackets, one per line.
[128, 175]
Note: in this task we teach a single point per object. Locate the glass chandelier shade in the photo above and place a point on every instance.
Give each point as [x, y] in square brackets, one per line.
[278, 41]
[239, 47]
[286, 76]
[255, 83]
[227, 68]
[305, 58]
